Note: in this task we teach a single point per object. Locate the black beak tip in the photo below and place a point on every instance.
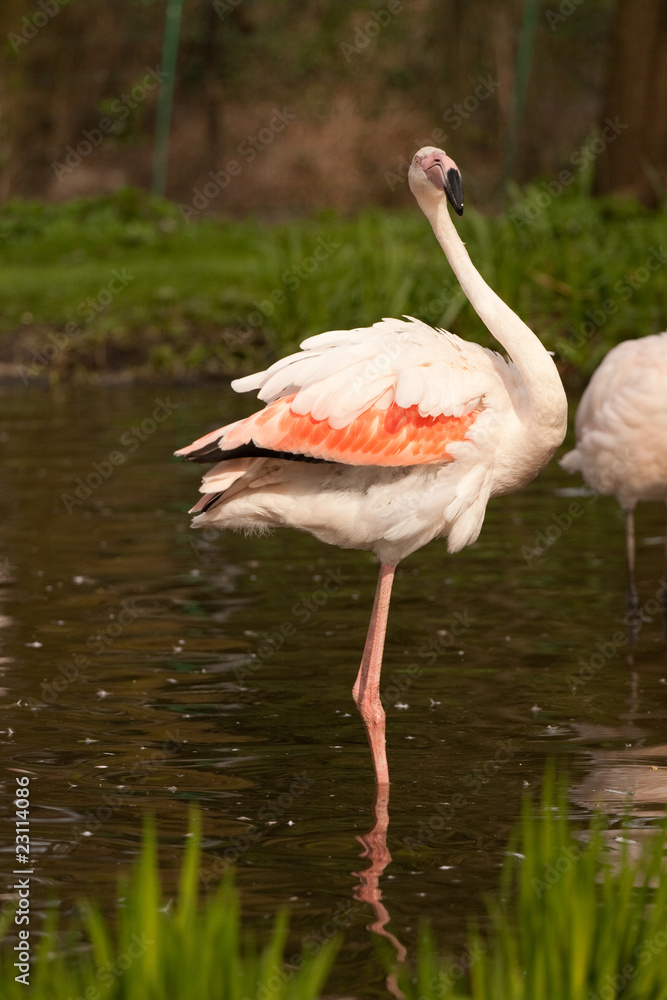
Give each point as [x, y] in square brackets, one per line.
[454, 190]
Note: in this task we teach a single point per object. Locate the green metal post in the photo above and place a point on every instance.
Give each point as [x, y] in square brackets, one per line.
[524, 58]
[166, 94]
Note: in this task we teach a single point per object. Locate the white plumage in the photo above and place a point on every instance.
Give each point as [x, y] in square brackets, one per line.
[391, 508]
[338, 375]
[621, 432]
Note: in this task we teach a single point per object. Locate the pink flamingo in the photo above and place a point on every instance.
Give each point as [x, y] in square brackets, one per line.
[621, 430]
[387, 437]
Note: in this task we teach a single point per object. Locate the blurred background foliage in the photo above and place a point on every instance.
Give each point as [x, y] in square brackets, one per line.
[366, 82]
[292, 128]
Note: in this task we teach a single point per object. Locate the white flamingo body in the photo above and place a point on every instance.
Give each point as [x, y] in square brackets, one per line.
[387, 437]
[621, 424]
[621, 431]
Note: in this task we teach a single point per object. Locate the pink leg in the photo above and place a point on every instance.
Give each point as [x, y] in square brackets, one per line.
[366, 691]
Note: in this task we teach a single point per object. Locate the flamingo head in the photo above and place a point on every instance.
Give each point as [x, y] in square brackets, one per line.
[432, 173]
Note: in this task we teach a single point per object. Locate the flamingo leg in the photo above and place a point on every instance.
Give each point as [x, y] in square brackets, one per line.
[366, 691]
[663, 590]
[633, 616]
[633, 596]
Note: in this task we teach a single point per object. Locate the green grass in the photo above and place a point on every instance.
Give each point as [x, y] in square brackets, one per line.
[570, 922]
[162, 950]
[223, 296]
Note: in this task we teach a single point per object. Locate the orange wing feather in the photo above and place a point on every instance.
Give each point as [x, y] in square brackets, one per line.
[393, 436]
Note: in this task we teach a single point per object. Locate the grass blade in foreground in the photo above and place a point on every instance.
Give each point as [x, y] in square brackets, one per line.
[181, 951]
[568, 924]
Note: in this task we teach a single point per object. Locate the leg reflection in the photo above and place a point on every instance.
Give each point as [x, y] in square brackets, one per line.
[375, 848]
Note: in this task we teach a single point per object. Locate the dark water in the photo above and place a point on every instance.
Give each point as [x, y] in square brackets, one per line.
[145, 668]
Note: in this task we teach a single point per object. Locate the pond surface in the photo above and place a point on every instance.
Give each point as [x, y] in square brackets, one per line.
[146, 667]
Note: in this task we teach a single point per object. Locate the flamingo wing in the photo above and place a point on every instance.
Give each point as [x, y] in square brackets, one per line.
[396, 394]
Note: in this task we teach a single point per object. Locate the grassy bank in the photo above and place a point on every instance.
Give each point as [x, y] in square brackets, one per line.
[573, 920]
[125, 282]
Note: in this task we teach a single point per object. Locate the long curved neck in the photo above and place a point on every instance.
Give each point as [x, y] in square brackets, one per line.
[548, 404]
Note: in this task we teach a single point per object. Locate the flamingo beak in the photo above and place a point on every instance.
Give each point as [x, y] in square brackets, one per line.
[445, 176]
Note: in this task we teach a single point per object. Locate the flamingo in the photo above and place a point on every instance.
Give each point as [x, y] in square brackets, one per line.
[621, 431]
[387, 437]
